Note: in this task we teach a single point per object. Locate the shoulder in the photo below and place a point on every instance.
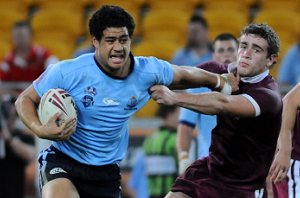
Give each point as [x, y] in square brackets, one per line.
[75, 65]
[215, 67]
[267, 95]
[149, 64]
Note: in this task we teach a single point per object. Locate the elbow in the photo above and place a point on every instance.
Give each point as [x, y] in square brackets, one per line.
[18, 103]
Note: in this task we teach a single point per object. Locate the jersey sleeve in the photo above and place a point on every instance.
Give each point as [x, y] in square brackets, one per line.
[214, 67]
[163, 70]
[50, 78]
[264, 100]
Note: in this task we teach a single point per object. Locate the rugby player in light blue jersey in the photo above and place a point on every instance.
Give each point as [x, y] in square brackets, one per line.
[108, 87]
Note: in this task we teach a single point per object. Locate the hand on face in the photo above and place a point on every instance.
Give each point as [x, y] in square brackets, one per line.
[52, 131]
[162, 95]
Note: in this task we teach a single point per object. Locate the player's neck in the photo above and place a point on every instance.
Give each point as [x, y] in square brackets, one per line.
[22, 52]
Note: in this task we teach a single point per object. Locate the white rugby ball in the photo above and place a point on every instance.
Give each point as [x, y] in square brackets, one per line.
[56, 100]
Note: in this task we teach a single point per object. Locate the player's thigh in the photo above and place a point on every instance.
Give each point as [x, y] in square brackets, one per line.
[60, 187]
[176, 195]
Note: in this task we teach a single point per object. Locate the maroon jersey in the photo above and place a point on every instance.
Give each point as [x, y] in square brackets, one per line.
[296, 139]
[242, 148]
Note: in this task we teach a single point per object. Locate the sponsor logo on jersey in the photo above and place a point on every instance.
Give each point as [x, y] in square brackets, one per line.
[87, 101]
[110, 101]
[131, 104]
[90, 91]
[54, 171]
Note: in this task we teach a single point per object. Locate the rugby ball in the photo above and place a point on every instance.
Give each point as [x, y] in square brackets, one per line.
[56, 100]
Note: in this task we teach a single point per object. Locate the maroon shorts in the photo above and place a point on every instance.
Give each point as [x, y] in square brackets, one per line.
[196, 182]
[280, 190]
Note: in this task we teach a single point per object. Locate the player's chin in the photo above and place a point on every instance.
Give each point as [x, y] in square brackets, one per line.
[116, 65]
[243, 72]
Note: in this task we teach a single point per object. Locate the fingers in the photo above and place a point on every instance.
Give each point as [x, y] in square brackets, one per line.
[154, 88]
[278, 173]
[280, 176]
[55, 117]
[68, 127]
[275, 172]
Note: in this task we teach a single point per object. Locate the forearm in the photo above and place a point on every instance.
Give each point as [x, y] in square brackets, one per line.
[191, 77]
[289, 113]
[207, 103]
[184, 136]
[23, 150]
[30, 118]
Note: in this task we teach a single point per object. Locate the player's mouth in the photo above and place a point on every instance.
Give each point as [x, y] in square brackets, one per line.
[244, 64]
[117, 58]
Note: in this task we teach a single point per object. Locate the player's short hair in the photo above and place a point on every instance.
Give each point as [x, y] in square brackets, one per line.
[110, 16]
[20, 24]
[224, 37]
[199, 19]
[164, 111]
[265, 32]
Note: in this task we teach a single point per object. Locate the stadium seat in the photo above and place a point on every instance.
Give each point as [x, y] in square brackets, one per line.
[241, 6]
[268, 5]
[162, 49]
[168, 23]
[131, 6]
[9, 18]
[5, 47]
[16, 6]
[284, 22]
[62, 50]
[245, 2]
[59, 36]
[74, 6]
[55, 20]
[220, 21]
[187, 6]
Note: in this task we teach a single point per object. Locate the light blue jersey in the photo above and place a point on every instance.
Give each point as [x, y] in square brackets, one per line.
[290, 66]
[104, 103]
[190, 58]
[205, 124]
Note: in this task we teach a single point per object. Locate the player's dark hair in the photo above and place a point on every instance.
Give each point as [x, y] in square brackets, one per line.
[110, 16]
[199, 19]
[224, 37]
[164, 110]
[20, 24]
[265, 32]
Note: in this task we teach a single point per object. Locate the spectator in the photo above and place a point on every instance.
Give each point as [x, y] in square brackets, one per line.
[196, 50]
[18, 152]
[26, 61]
[160, 153]
[289, 73]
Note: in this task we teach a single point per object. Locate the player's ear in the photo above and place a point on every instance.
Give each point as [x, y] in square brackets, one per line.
[95, 42]
[272, 60]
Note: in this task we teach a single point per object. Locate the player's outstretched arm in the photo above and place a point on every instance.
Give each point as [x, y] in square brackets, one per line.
[26, 105]
[213, 103]
[183, 142]
[191, 77]
[281, 162]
